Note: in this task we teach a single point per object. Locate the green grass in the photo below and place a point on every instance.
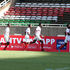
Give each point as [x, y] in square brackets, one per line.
[26, 60]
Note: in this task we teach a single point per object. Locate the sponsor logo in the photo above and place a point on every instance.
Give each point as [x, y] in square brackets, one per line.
[18, 40]
[59, 43]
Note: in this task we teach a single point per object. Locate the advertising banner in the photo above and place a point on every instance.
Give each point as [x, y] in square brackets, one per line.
[50, 44]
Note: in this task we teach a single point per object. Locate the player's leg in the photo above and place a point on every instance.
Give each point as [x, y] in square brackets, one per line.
[27, 41]
[66, 40]
[33, 41]
[7, 42]
[65, 43]
[3, 43]
[6, 45]
[39, 38]
[42, 45]
[23, 42]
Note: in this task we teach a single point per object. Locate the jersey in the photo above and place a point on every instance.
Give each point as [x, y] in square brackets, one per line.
[67, 31]
[67, 38]
[27, 35]
[38, 31]
[7, 31]
[27, 31]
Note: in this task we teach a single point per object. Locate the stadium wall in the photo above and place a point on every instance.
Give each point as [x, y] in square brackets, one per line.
[47, 31]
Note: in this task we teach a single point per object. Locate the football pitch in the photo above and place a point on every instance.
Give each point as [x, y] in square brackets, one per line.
[29, 60]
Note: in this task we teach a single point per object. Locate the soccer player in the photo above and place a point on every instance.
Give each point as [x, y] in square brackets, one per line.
[67, 38]
[28, 33]
[6, 36]
[27, 36]
[37, 36]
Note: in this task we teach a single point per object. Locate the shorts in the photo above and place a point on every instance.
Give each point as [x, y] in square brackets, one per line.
[27, 39]
[67, 38]
[6, 38]
[37, 38]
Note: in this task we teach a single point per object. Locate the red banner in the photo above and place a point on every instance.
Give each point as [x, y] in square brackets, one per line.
[51, 44]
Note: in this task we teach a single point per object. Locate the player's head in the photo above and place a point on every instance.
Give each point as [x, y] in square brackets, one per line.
[30, 25]
[40, 24]
[68, 26]
[8, 25]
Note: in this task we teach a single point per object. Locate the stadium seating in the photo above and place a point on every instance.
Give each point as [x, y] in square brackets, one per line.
[36, 11]
[45, 1]
[29, 13]
[42, 5]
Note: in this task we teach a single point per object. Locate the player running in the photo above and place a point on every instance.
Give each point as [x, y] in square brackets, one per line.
[67, 38]
[27, 36]
[37, 36]
[6, 36]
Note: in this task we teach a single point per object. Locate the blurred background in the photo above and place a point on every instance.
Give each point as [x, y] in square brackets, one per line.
[53, 14]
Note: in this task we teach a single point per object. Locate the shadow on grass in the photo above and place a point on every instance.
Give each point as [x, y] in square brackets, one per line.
[53, 61]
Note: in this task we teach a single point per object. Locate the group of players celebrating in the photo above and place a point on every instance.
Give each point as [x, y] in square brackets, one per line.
[38, 36]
